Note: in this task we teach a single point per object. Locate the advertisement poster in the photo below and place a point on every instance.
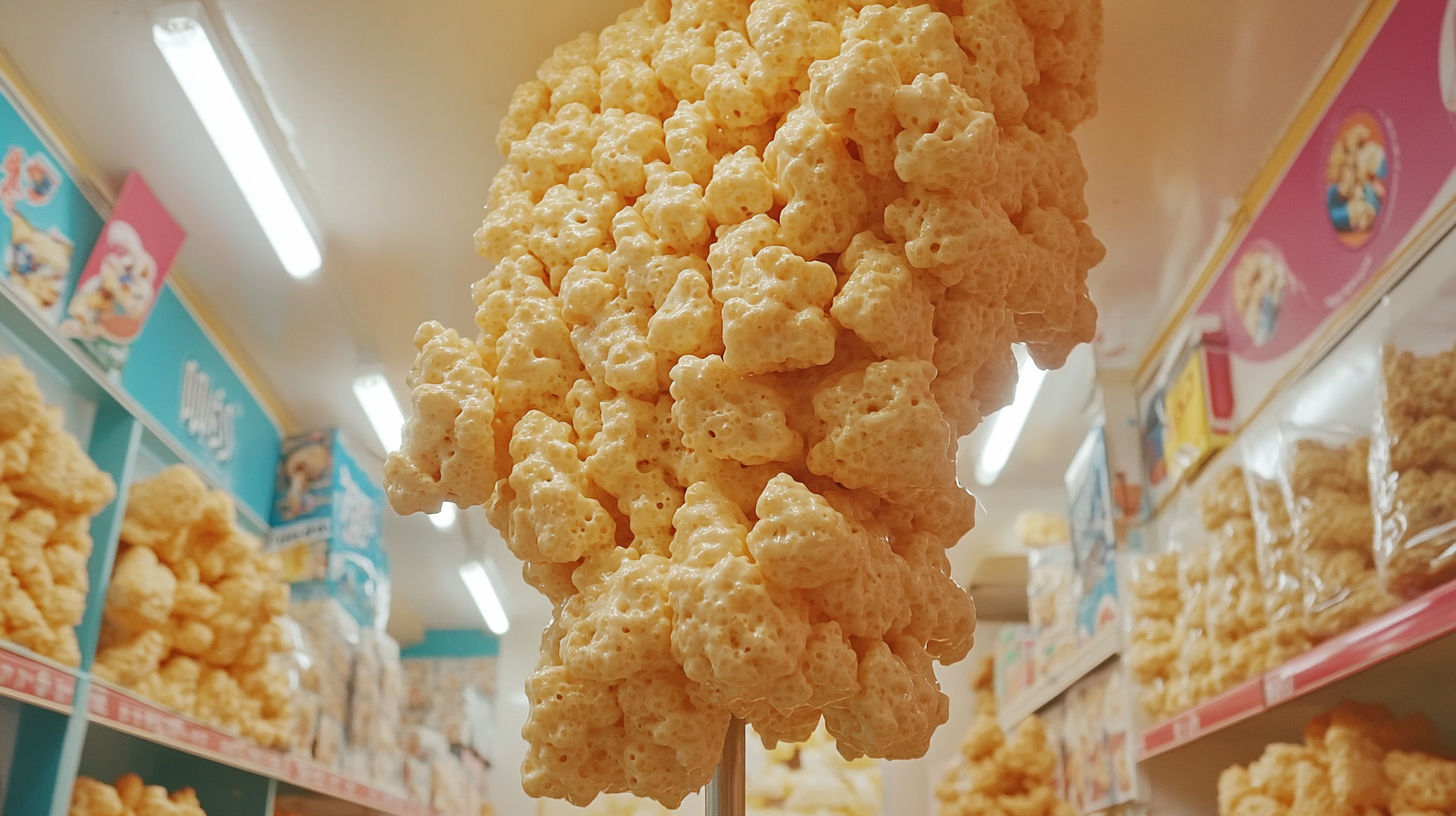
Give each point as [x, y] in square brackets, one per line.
[327, 517]
[1091, 516]
[1375, 172]
[123, 278]
[181, 378]
[47, 225]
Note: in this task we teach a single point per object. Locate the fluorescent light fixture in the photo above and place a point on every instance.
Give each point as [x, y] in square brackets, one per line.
[382, 408]
[1007, 424]
[191, 54]
[444, 519]
[477, 578]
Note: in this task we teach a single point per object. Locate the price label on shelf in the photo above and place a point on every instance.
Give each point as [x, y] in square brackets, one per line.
[35, 681]
[1278, 686]
[129, 713]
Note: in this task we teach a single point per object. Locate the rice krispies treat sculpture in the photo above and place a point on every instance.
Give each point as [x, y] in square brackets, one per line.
[1414, 469]
[758, 267]
[1356, 758]
[996, 775]
[49, 490]
[194, 610]
[1334, 533]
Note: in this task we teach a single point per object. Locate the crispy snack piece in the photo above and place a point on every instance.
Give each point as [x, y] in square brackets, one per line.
[758, 266]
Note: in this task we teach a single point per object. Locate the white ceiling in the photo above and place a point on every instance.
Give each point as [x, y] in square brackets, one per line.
[390, 108]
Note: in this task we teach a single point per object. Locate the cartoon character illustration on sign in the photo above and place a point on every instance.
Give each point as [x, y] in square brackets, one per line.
[303, 468]
[113, 303]
[41, 180]
[1357, 178]
[38, 262]
[1260, 280]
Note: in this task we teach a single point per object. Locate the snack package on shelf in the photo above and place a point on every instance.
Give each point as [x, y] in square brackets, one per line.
[1325, 477]
[327, 517]
[1014, 670]
[811, 777]
[333, 636]
[49, 491]
[1054, 722]
[1237, 618]
[1051, 589]
[1088, 744]
[997, 773]
[195, 614]
[375, 715]
[1279, 562]
[453, 697]
[1184, 556]
[1356, 758]
[130, 795]
[1153, 636]
[1413, 451]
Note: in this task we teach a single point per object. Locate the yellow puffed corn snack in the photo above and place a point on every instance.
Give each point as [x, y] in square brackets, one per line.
[996, 774]
[193, 608]
[1356, 758]
[758, 266]
[49, 490]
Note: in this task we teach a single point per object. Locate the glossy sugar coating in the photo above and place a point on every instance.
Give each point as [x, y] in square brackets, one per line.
[758, 267]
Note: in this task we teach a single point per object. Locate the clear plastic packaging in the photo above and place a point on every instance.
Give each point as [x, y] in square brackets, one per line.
[1051, 592]
[1413, 451]
[1325, 478]
[1190, 681]
[1152, 645]
[1279, 563]
[1236, 614]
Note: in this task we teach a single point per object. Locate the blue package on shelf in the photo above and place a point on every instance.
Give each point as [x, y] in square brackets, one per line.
[326, 520]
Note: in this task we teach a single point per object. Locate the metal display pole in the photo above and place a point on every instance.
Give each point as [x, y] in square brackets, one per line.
[725, 792]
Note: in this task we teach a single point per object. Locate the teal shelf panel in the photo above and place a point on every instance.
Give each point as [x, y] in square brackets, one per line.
[57, 721]
[87, 381]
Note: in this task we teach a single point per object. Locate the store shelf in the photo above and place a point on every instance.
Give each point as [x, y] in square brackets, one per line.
[1100, 649]
[35, 680]
[1413, 625]
[125, 712]
[88, 380]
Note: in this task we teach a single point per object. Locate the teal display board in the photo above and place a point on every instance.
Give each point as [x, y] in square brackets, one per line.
[47, 227]
[178, 375]
[445, 643]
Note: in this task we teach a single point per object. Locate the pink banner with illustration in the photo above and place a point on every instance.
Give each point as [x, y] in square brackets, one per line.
[124, 275]
[1361, 186]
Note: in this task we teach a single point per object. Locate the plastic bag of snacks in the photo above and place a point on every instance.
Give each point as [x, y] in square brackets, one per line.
[1413, 451]
[1152, 638]
[1193, 673]
[1236, 613]
[334, 636]
[1326, 481]
[1051, 589]
[1279, 565]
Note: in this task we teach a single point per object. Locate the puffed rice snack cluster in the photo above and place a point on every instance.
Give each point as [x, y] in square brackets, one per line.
[1356, 758]
[758, 267]
[49, 492]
